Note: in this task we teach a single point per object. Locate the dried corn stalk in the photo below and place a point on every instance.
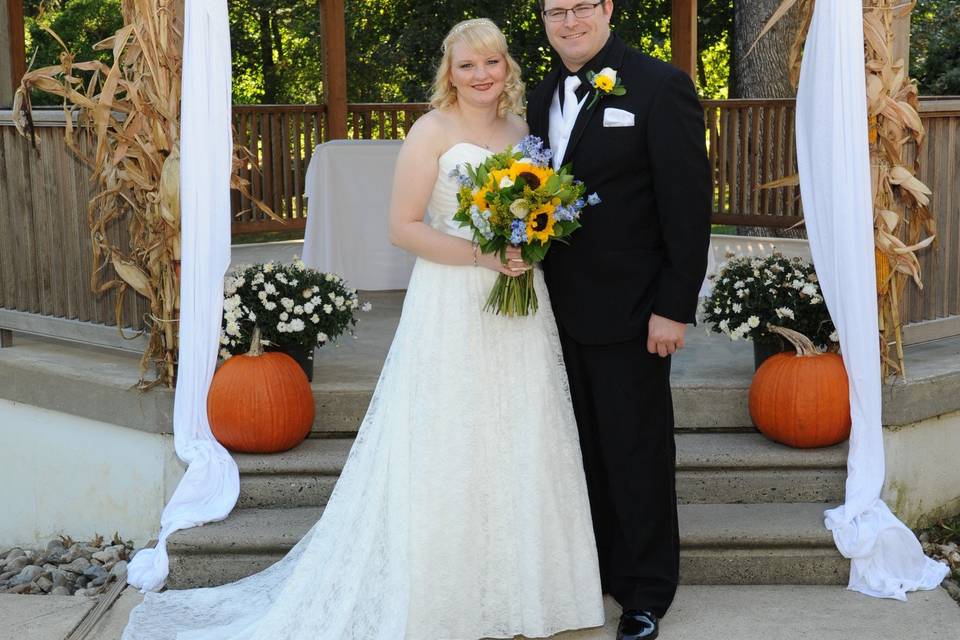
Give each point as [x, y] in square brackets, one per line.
[902, 221]
[128, 116]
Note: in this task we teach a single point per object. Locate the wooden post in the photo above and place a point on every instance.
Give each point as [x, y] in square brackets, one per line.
[12, 55]
[683, 36]
[6, 338]
[334, 67]
[901, 38]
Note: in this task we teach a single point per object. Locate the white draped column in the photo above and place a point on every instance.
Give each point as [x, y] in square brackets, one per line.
[834, 163]
[211, 485]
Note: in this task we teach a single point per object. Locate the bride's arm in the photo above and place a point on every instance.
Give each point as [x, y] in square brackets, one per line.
[413, 182]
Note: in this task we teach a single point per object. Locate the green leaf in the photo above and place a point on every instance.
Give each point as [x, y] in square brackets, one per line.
[552, 185]
[619, 91]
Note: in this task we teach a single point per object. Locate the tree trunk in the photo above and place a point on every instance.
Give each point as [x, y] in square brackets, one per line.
[270, 81]
[765, 72]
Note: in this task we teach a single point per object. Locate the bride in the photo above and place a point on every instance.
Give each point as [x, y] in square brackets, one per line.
[462, 511]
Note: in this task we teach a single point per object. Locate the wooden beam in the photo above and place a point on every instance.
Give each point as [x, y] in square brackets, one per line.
[683, 36]
[901, 38]
[18, 54]
[334, 67]
[263, 226]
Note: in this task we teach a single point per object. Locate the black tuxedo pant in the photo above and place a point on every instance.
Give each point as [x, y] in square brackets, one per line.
[621, 398]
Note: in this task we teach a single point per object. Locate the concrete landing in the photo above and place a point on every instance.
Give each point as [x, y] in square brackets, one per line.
[698, 613]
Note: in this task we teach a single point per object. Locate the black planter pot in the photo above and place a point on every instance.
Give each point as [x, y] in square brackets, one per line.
[302, 354]
[763, 350]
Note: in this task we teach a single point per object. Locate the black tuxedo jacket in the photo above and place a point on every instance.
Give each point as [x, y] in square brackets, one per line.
[644, 248]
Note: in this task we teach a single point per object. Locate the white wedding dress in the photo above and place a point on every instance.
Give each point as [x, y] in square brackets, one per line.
[462, 510]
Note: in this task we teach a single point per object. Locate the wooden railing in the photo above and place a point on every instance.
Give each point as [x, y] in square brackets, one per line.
[280, 139]
[368, 121]
[935, 311]
[750, 143]
[45, 249]
[45, 242]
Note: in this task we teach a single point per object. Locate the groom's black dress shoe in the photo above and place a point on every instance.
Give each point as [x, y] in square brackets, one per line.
[637, 625]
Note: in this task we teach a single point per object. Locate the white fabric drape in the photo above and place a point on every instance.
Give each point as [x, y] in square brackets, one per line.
[834, 163]
[211, 485]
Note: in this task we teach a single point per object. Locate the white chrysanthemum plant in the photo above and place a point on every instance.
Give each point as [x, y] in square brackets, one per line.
[294, 307]
[751, 293]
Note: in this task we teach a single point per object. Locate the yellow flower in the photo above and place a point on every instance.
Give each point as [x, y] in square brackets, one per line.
[496, 176]
[540, 223]
[533, 175]
[480, 198]
[603, 83]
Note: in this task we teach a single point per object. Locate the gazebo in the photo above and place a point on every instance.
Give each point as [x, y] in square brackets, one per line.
[750, 142]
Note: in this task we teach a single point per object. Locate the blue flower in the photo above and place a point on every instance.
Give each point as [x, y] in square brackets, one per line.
[462, 178]
[532, 147]
[518, 232]
[579, 204]
[480, 223]
[593, 199]
[565, 214]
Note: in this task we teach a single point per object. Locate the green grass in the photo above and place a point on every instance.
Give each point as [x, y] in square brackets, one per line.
[726, 229]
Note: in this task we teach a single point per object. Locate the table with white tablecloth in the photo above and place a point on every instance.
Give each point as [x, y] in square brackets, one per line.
[348, 186]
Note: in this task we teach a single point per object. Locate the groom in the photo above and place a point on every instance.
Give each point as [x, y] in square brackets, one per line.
[625, 289]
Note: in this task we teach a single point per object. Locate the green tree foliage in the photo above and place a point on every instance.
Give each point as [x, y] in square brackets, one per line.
[277, 55]
[79, 23]
[935, 46]
[393, 46]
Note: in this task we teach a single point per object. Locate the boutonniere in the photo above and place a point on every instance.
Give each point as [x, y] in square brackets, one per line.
[605, 83]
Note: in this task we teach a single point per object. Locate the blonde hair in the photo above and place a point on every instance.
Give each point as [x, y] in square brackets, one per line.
[479, 34]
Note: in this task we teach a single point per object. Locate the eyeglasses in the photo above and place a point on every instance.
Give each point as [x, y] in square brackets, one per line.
[580, 11]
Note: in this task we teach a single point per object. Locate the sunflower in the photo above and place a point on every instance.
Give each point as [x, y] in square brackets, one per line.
[480, 198]
[533, 175]
[604, 83]
[540, 223]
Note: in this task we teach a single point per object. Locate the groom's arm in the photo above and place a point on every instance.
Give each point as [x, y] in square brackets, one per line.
[683, 190]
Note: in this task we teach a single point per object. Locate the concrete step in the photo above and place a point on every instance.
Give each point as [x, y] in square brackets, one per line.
[698, 406]
[711, 468]
[302, 477]
[720, 544]
[758, 544]
[749, 468]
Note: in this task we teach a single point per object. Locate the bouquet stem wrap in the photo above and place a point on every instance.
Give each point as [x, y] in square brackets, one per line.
[513, 296]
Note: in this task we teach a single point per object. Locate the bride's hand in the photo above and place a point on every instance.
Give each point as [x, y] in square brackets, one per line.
[514, 267]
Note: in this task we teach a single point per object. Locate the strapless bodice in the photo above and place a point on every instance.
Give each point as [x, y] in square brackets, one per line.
[443, 202]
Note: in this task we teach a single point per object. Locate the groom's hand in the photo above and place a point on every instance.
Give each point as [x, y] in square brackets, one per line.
[664, 336]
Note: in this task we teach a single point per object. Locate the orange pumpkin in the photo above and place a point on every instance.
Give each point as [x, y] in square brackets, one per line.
[801, 400]
[260, 402]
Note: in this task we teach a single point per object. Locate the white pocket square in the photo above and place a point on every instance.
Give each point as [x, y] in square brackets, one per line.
[617, 118]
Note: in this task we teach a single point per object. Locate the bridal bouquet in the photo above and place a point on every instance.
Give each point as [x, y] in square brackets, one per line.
[515, 198]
